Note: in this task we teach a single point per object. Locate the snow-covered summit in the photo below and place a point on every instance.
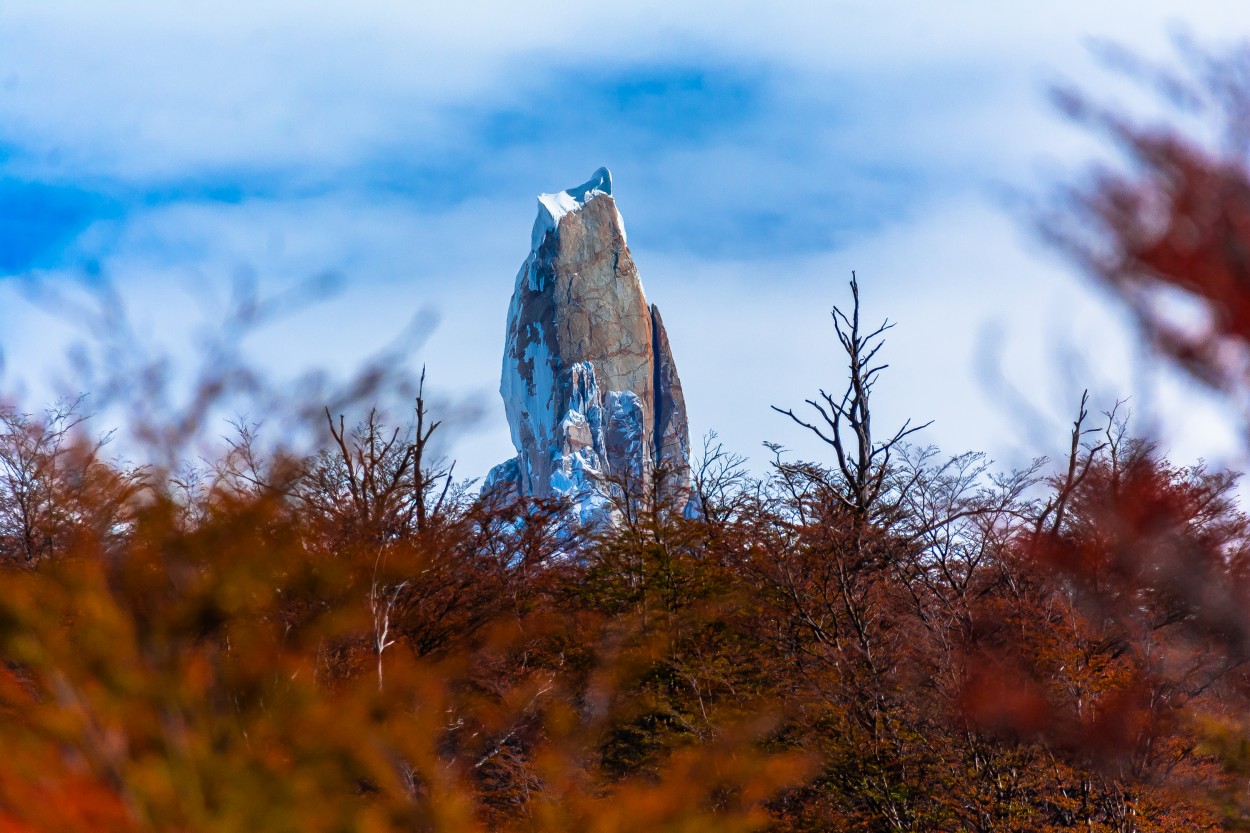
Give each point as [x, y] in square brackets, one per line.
[553, 207]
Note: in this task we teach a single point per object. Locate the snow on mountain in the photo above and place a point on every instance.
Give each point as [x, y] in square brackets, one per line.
[589, 385]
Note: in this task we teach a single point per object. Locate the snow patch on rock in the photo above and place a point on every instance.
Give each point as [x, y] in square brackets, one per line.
[553, 207]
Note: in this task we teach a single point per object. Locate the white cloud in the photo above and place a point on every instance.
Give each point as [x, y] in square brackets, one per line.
[137, 89]
[753, 334]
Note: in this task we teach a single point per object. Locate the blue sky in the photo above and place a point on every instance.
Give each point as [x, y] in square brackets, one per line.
[758, 158]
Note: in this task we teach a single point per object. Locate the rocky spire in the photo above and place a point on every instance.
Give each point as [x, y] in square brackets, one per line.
[589, 383]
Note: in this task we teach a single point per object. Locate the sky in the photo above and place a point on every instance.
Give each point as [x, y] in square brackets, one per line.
[759, 154]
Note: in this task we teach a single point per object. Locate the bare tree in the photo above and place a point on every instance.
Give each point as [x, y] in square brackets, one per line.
[846, 422]
[426, 474]
[718, 480]
[53, 483]
[1057, 506]
[376, 483]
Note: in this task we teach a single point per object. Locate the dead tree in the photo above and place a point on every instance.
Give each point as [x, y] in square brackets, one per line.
[846, 422]
[377, 482]
[426, 474]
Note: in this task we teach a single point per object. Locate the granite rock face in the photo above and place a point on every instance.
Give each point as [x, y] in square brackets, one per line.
[589, 385]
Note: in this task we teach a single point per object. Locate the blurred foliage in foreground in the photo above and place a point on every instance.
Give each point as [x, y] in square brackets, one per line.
[351, 640]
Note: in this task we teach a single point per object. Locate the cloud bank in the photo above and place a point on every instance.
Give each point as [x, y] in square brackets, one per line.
[758, 159]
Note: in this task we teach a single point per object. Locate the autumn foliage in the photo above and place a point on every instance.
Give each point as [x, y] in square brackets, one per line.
[888, 639]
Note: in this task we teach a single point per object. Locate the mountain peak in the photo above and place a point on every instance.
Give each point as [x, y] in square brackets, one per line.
[590, 389]
[553, 207]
